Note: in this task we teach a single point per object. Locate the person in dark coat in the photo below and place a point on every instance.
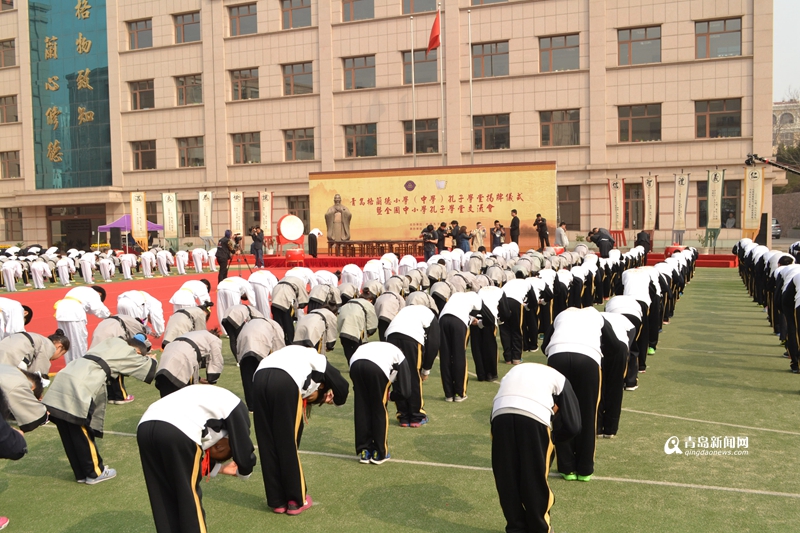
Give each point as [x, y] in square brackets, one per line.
[514, 226]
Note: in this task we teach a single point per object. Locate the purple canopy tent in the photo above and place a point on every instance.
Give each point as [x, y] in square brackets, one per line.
[123, 223]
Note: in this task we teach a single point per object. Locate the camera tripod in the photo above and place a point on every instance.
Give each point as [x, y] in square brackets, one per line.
[238, 259]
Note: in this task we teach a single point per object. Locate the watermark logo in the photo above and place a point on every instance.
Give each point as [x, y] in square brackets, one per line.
[715, 445]
[672, 446]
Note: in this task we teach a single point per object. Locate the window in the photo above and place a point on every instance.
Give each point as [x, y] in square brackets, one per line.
[640, 123]
[640, 45]
[297, 79]
[731, 191]
[718, 38]
[187, 28]
[787, 118]
[296, 13]
[191, 152]
[142, 94]
[245, 84]
[418, 6]
[5, 5]
[12, 218]
[718, 118]
[299, 207]
[243, 20]
[299, 144]
[427, 136]
[561, 128]
[361, 140]
[484, 2]
[359, 72]
[489, 60]
[491, 132]
[252, 214]
[246, 148]
[190, 218]
[144, 155]
[559, 53]
[357, 10]
[634, 205]
[424, 68]
[8, 109]
[190, 89]
[8, 53]
[569, 206]
[140, 34]
[9, 165]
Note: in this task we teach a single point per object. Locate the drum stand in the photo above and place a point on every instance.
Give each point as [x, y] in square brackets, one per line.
[239, 258]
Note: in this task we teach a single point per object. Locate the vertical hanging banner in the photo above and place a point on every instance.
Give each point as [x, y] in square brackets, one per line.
[616, 194]
[204, 214]
[650, 202]
[169, 207]
[266, 212]
[139, 218]
[681, 200]
[237, 212]
[753, 197]
[715, 182]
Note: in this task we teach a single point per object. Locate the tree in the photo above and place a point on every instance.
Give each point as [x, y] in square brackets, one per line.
[789, 155]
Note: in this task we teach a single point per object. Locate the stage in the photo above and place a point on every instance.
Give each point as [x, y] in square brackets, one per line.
[321, 261]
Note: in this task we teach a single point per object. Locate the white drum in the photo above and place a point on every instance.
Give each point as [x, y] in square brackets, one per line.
[290, 228]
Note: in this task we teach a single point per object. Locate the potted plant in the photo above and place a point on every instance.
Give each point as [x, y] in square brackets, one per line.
[705, 240]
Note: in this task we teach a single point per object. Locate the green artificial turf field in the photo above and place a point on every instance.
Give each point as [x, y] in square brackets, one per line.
[717, 364]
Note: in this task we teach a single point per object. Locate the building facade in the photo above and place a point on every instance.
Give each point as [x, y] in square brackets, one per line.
[200, 95]
[785, 124]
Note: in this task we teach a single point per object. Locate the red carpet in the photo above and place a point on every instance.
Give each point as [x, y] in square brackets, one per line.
[703, 260]
[321, 261]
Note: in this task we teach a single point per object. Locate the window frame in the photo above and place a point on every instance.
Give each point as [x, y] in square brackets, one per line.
[139, 152]
[180, 27]
[6, 107]
[708, 33]
[359, 134]
[8, 54]
[6, 5]
[572, 203]
[350, 72]
[238, 16]
[483, 128]
[408, 7]
[631, 202]
[290, 144]
[428, 128]
[137, 91]
[185, 148]
[290, 77]
[491, 56]
[190, 217]
[300, 206]
[290, 11]
[630, 118]
[7, 163]
[552, 124]
[736, 198]
[433, 57]
[134, 33]
[185, 89]
[241, 150]
[350, 6]
[13, 225]
[629, 42]
[237, 84]
[708, 114]
[549, 50]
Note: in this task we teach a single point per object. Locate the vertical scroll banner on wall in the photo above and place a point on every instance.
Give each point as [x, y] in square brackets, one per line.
[681, 201]
[753, 198]
[715, 181]
[237, 212]
[650, 202]
[169, 206]
[266, 212]
[204, 213]
[139, 218]
[616, 194]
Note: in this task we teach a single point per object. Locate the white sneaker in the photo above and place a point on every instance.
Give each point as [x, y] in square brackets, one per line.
[108, 473]
[460, 398]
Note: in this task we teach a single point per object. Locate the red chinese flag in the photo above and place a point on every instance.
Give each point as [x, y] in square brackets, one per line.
[434, 40]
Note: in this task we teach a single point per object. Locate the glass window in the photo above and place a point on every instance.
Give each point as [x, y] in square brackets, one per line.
[561, 52]
[142, 94]
[12, 220]
[489, 60]
[245, 84]
[483, 2]
[718, 118]
[569, 206]
[190, 218]
[252, 214]
[418, 6]
[357, 10]
[299, 144]
[297, 79]
[8, 109]
[640, 123]
[634, 206]
[140, 34]
[561, 128]
[246, 148]
[718, 38]
[8, 53]
[640, 45]
[191, 152]
[187, 27]
[299, 206]
[244, 20]
[144, 155]
[359, 72]
[5, 5]
[361, 140]
[190, 89]
[424, 67]
[491, 132]
[729, 206]
[296, 13]
[787, 118]
[427, 136]
[9, 165]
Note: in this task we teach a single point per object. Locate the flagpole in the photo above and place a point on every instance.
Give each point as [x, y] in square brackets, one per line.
[413, 99]
[441, 84]
[471, 119]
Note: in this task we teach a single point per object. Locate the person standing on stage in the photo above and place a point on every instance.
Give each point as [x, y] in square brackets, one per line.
[71, 317]
[258, 245]
[514, 226]
[478, 237]
[540, 224]
[313, 237]
[561, 235]
[498, 235]
[225, 251]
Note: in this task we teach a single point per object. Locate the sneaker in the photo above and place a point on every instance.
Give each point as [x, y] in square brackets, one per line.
[570, 477]
[448, 399]
[535, 350]
[609, 436]
[516, 361]
[294, 509]
[643, 371]
[279, 510]
[3, 522]
[785, 355]
[129, 399]
[666, 321]
[585, 478]
[420, 423]
[795, 370]
[651, 351]
[364, 457]
[108, 473]
[404, 424]
[632, 387]
[81, 480]
[460, 399]
[377, 459]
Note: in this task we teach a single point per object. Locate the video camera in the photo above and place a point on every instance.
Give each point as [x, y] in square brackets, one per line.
[237, 242]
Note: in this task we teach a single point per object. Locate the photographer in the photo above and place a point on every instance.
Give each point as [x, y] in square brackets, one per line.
[258, 245]
[497, 234]
[429, 239]
[226, 248]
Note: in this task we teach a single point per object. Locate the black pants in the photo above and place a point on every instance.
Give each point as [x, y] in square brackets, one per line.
[371, 388]
[223, 268]
[632, 374]
[484, 351]
[383, 325]
[583, 373]
[412, 408]
[545, 316]
[544, 240]
[247, 367]
[530, 327]
[115, 389]
[82, 453]
[614, 368]
[165, 386]
[453, 356]
[643, 342]
[521, 456]
[312, 245]
[654, 317]
[285, 320]
[172, 472]
[278, 421]
[258, 254]
[511, 333]
[233, 334]
[349, 346]
[438, 300]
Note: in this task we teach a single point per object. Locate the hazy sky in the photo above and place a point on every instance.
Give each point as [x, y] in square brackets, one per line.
[786, 54]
